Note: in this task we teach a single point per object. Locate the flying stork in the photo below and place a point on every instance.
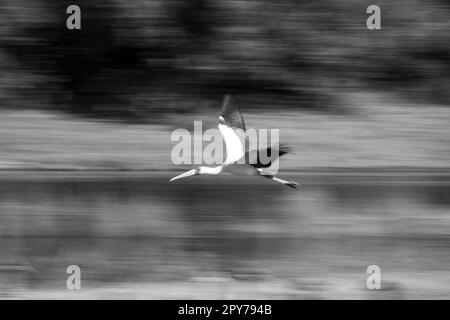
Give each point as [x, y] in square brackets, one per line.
[232, 128]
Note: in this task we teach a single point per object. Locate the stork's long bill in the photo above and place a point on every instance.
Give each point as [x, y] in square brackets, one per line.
[232, 128]
[189, 173]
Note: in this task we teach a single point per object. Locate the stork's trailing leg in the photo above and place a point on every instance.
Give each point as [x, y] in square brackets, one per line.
[291, 184]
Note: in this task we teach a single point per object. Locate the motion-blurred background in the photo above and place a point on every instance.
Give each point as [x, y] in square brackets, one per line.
[85, 123]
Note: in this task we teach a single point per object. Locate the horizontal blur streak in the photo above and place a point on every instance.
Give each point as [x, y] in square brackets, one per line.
[137, 236]
[85, 124]
[378, 132]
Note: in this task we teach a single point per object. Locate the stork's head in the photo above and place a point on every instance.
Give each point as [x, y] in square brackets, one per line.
[189, 173]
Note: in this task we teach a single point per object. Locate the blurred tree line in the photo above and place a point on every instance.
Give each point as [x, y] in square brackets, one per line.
[137, 59]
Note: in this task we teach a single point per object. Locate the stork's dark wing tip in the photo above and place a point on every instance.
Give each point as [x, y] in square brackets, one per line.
[226, 105]
[226, 100]
[230, 115]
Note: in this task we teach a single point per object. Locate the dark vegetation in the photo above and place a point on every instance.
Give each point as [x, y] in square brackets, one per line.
[138, 59]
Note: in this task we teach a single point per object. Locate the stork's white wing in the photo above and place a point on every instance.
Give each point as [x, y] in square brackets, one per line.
[233, 142]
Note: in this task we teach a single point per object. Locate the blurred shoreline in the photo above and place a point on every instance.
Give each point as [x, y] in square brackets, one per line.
[375, 135]
[388, 173]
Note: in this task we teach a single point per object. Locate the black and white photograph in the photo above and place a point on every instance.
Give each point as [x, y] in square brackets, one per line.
[234, 150]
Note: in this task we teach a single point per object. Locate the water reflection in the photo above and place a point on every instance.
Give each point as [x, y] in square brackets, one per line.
[134, 235]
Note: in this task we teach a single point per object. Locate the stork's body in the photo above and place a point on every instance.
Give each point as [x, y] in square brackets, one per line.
[240, 160]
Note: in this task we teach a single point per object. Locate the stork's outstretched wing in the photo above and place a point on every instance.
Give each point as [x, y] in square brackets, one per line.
[232, 128]
[230, 115]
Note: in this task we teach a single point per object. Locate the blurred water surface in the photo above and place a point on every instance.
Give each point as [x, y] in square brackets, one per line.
[134, 235]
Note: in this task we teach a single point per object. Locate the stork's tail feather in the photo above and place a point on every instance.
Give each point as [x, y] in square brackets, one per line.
[283, 149]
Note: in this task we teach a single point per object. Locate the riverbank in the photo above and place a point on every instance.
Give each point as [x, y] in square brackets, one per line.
[376, 134]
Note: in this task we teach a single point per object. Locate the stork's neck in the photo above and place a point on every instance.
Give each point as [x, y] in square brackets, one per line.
[211, 170]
